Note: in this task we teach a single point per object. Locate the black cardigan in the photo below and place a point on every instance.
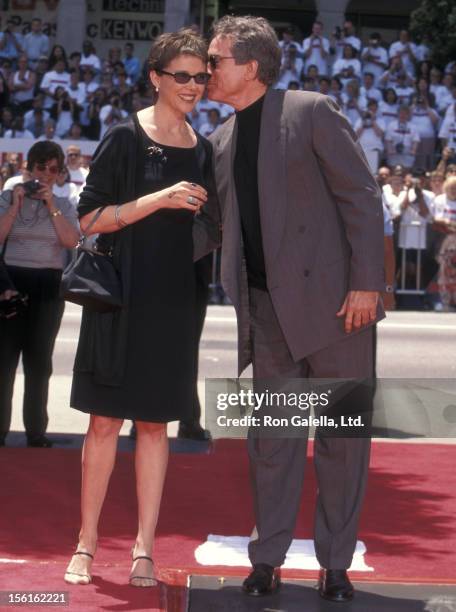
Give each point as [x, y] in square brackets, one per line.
[103, 336]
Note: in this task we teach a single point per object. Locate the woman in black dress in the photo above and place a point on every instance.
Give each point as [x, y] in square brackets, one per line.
[138, 362]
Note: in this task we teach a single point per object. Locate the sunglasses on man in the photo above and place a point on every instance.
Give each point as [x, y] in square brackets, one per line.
[181, 77]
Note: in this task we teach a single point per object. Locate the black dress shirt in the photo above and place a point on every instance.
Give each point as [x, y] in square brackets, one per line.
[246, 182]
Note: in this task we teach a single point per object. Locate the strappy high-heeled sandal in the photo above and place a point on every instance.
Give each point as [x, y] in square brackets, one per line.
[88, 576]
[153, 581]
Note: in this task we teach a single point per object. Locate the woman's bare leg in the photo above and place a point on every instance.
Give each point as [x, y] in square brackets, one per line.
[98, 458]
[151, 461]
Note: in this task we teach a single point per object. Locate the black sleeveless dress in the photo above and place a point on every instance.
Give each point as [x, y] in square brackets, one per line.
[161, 362]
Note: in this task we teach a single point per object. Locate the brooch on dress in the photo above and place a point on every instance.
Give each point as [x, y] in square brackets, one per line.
[155, 151]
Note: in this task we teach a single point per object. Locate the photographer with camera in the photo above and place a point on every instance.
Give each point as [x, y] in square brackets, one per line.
[370, 130]
[291, 68]
[375, 57]
[35, 229]
[344, 36]
[347, 67]
[111, 113]
[65, 112]
[425, 120]
[401, 140]
[316, 49]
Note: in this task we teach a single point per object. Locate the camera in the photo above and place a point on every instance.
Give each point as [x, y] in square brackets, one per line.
[420, 100]
[367, 120]
[337, 32]
[399, 148]
[31, 187]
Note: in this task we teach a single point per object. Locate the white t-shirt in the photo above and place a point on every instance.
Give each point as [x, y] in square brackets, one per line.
[78, 177]
[22, 95]
[353, 114]
[354, 41]
[448, 131]
[404, 93]
[315, 57]
[284, 46]
[388, 112]
[68, 191]
[52, 80]
[393, 201]
[422, 123]
[78, 94]
[343, 64]
[18, 134]
[91, 60]
[12, 182]
[372, 94]
[291, 75]
[368, 138]
[206, 129]
[104, 112]
[381, 55]
[397, 48]
[444, 208]
[64, 122]
[412, 229]
[403, 133]
[422, 52]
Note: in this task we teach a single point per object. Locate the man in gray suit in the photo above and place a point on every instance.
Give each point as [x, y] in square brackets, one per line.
[302, 261]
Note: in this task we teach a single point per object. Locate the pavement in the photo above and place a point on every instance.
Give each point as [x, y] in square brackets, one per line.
[411, 345]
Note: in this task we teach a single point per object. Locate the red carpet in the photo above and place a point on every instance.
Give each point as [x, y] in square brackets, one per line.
[407, 525]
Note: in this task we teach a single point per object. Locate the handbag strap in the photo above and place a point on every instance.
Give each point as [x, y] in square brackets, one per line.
[91, 224]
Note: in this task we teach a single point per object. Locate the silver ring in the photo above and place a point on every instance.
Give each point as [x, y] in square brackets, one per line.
[191, 200]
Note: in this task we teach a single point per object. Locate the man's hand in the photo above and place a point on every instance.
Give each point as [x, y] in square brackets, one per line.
[359, 309]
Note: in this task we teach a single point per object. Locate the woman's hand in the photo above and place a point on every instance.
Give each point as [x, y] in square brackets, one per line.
[184, 195]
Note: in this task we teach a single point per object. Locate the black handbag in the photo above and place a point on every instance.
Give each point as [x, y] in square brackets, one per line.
[17, 303]
[91, 279]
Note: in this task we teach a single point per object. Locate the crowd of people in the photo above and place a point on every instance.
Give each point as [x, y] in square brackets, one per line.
[401, 106]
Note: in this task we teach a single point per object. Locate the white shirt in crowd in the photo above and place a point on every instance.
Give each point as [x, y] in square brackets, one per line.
[422, 122]
[444, 208]
[343, 64]
[448, 132]
[368, 139]
[104, 112]
[291, 75]
[315, 57]
[412, 229]
[393, 201]
[354, 41]
[18, 134]
[388, 112]
[51, 81]
[422, 52]
[284, 46]
[22, 95]
[78, 94]
[397, 48]
[381, 55]
[401, 134]
[353, 114]
[78, 177]
[404, 93]
[68, 191]
[373, 93]
[64, 122]
[206, 129]
[91, 60]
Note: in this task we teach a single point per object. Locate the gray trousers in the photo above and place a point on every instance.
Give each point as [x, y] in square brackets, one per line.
[277, 464]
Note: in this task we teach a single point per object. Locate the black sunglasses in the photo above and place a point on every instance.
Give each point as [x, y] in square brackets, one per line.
[214, 60]
[201, 78]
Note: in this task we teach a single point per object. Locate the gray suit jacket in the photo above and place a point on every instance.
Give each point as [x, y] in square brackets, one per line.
[321, 220]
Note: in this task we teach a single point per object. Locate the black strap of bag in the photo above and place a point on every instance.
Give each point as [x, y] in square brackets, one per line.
[91, 279]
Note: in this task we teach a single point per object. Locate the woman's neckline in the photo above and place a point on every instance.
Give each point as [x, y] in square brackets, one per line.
[161, 144]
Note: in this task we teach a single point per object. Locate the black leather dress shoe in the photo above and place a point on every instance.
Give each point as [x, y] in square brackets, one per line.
[334, 585]
[193, 431]
[263, 580]
[39, 442]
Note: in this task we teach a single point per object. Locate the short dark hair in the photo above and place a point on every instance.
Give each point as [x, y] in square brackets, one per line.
[253, 38]
[42, 152]
[170, 45]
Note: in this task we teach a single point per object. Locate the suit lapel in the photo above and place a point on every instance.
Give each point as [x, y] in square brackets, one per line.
[272, 174]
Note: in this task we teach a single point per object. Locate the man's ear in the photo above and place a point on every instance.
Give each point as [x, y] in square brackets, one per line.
[251, 71]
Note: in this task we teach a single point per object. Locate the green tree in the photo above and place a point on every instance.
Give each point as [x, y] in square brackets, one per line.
[434, 21]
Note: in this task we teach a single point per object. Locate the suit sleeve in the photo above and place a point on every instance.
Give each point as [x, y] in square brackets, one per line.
[355, 192]
[207, 234]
